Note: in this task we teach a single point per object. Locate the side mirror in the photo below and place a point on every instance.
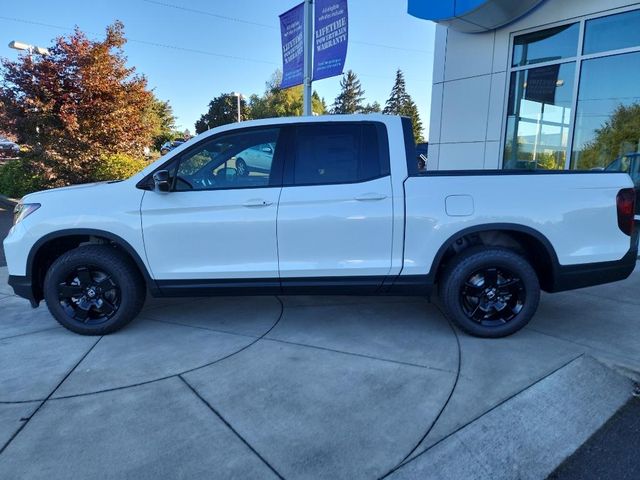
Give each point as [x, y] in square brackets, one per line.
[161, 181]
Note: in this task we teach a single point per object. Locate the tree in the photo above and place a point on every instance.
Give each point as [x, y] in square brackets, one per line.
[351, 97]
[76, 104]
[401, 103]
[617, 136]
[164, 122]
[222, 111]
[283, 102]
[372, 108]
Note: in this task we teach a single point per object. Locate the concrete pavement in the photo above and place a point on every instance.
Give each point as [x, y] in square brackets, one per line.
[311, 387]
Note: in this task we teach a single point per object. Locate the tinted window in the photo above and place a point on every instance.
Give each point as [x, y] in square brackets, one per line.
[546, 46]
[236, 160]
[612, 33]
[339, 153]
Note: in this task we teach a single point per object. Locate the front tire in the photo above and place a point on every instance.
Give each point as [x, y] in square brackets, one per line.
[94, 290]
[242, 168]
[490, 292]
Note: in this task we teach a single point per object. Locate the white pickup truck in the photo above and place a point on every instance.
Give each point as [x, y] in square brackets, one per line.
[341, 208]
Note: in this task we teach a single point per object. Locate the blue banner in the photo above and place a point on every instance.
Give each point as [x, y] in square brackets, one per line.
[331, 38]
[292, 30]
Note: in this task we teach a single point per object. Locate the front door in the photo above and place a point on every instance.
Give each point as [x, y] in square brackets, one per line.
[216, 224]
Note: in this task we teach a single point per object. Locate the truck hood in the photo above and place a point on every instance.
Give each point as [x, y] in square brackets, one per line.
[85, 189]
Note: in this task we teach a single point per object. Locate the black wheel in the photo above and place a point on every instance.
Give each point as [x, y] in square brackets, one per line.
[241, 168]
[94, 290]
[490, 292]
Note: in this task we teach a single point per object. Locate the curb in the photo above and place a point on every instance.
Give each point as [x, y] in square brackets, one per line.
[8, 202]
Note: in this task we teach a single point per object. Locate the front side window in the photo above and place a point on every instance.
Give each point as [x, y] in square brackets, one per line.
[338, 153]
[235, 160]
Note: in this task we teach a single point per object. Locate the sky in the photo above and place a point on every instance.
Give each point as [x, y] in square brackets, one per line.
[194, 50]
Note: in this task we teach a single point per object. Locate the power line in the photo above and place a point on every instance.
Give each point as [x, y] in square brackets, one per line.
[167, 46]
[146, 42]
[269, 26]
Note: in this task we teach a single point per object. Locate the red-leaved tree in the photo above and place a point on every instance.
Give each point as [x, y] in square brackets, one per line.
[76, 105]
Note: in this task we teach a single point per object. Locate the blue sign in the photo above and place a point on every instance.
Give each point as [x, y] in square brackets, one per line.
[292, 31]
[331, 37]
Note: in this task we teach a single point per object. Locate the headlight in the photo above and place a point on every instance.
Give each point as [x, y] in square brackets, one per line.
[23, 210]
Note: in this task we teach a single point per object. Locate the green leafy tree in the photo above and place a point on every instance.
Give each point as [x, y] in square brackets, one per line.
[222, 111]
[401, 103]
[164, 122]
[75, 105]
[617, 136]
[351, 97]
[283, 102]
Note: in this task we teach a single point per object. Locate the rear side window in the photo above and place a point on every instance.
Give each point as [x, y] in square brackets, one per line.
[335, 153]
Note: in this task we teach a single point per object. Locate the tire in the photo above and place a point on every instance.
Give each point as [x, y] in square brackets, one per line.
[94, 290]
[242, 168]
[490, 292]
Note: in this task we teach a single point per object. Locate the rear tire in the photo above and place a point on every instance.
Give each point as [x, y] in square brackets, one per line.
[490, 292]
[94, 290]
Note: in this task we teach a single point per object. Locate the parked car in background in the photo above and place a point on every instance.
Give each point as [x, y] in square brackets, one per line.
[9, 148]
[342, 209]
[168, 146]
[629, 163]
[255, 159]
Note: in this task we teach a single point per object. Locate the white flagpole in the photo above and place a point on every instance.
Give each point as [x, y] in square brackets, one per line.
[308, 56]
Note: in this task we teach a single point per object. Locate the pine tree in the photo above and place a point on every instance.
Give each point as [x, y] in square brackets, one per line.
[401, 103]
[372, 108]
[351, 97]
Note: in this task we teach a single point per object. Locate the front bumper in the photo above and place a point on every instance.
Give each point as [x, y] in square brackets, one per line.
[23, 287]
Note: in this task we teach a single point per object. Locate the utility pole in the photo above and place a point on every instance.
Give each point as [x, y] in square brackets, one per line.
[239, 96]
[308, 56]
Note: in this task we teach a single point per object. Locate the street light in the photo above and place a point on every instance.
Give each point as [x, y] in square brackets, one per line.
[239, 95]
[31, 49]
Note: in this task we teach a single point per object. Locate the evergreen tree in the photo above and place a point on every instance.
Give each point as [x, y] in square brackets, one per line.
[351, 97]
[401, 103]
[372, 108]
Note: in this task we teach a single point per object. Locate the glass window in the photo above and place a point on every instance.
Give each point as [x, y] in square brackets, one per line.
[546, 45]
[236, 160]
[339, 153]
[608, 111]
[612, 33]
[539, 116]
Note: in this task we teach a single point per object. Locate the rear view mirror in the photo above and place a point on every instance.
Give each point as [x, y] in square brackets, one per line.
[161, 181]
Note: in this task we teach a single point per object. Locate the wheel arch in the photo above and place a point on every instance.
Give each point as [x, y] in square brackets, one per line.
[48, 248]
[532, 244]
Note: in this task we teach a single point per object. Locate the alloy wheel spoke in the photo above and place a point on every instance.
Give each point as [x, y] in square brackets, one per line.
[473, 290]
[105, 284]
[107, 307]
[68, 291]
[82, 314]
[84, 275]
[491, 277]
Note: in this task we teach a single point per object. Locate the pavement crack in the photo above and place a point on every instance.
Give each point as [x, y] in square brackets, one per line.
[442, 409]
[168, 322]
[499, 404]
[24, 423]
[230, 427]
[29, 333]
[256, 339]
[361, 355]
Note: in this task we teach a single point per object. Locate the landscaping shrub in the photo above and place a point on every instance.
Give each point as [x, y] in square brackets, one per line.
[117, 167]
[18, 177]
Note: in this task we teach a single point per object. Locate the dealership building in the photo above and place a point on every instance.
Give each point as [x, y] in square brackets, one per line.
[536, 84]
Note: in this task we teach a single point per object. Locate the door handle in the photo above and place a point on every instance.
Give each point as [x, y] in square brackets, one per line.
[369, 197]
[254, 203]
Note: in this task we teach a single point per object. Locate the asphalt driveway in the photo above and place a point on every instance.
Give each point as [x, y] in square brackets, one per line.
[311, 387]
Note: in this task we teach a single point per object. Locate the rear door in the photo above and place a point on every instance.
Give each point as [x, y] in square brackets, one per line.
[336, 208]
